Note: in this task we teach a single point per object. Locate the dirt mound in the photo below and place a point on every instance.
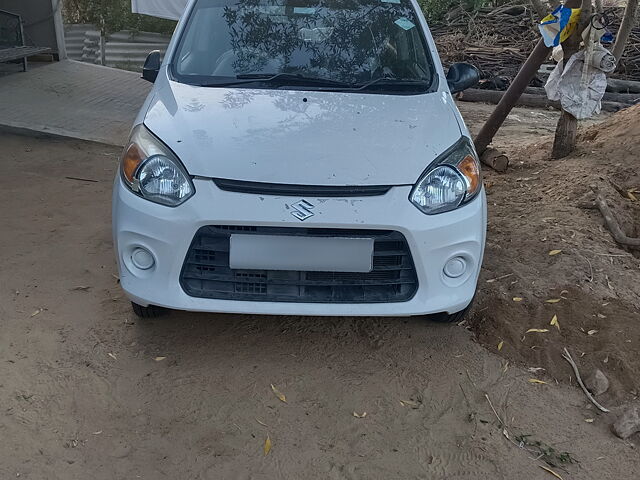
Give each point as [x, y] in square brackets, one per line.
[619, 134]
[550, 255]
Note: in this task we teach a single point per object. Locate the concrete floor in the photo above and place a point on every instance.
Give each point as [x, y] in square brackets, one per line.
[73, 99]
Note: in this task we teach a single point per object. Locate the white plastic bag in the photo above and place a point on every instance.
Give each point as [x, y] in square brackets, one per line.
[580, 86]
[579, 96]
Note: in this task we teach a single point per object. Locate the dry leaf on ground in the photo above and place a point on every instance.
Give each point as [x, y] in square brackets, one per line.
[112, 355]
[553, 300]
[537, 330]
[554, 252]
[592, 332]
[500, 345]
[159, 359]
[37, 312]
[554, 321]
[360, 415]
[517, 299]
[267, 446]
[535, 380]
[550, 471]
[278, 393]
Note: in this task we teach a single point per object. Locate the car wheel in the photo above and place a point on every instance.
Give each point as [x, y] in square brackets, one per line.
[152, 311]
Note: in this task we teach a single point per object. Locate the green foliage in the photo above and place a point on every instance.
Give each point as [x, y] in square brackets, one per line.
[545, 452]
[114, 15]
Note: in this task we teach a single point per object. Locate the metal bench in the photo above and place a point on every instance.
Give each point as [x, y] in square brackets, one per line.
[12, 42]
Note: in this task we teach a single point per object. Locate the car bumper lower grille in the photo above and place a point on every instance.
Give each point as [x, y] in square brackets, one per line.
[206, 272]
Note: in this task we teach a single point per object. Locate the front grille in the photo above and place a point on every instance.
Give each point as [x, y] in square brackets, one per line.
[259, 188]
[206, 272]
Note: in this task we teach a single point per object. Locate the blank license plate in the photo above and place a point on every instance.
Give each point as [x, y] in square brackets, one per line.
[311, 254]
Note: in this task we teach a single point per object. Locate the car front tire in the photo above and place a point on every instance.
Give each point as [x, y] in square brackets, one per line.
[152, 311]
[453, 317]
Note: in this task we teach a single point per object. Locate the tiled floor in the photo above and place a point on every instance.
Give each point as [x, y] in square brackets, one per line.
[73, 99]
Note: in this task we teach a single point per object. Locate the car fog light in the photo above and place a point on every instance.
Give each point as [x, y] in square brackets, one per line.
[455, 267]
[142, 258]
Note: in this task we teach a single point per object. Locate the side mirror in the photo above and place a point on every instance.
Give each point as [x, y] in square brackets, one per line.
[462, 76]
[152, 66]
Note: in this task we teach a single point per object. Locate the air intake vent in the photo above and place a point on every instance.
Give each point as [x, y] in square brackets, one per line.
[206, 272]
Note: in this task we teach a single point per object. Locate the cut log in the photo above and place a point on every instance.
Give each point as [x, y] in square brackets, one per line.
[526, 100]
[622, 86]
[627, 98]
[495, 159]
[614, 85]
[494, 96]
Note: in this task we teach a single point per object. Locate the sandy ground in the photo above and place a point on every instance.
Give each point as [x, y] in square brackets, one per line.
[89, 391]
[592, 286]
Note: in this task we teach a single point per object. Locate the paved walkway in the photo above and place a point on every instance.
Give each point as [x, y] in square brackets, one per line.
[73, 99]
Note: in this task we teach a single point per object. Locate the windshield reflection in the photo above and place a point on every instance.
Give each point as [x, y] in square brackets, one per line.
[349, 41]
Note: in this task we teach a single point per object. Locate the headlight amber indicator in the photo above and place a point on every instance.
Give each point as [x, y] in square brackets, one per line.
[471, 172]
[131, 160]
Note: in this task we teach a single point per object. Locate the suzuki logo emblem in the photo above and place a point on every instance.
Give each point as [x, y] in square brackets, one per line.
[302, 210]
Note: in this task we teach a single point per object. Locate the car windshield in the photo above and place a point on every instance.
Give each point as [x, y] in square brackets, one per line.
[364, 45]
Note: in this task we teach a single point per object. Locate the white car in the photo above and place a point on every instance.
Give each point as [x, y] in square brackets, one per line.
[301, 157]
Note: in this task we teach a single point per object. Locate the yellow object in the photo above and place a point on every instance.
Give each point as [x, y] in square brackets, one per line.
[559, 25]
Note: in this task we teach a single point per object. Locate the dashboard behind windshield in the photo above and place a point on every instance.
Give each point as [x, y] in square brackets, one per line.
[351, 42]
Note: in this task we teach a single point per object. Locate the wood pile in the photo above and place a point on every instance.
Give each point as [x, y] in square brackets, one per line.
[629, 65]
[498, 40]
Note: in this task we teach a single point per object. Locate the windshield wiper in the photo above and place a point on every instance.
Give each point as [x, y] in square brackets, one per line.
[393, 82]
[279, 78]
[284, 78]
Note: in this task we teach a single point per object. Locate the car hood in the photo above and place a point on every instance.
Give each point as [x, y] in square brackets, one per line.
[302, 137]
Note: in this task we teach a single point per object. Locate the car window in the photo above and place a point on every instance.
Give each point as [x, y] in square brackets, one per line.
[348, 41]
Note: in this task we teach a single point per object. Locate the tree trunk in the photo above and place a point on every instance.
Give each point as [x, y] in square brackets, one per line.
[598, 6]
[540, 8]
[628, 19]
[103, 42]
[565, 141]
[526, 73]
[528, 70]
[566, 132]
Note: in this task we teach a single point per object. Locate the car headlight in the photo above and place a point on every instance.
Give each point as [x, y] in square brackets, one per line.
[152, 171]
[449, 182]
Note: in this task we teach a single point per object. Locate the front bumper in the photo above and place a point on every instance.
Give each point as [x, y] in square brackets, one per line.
[168, 232]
